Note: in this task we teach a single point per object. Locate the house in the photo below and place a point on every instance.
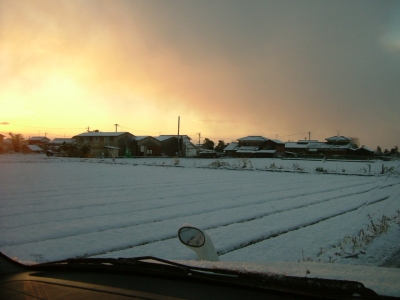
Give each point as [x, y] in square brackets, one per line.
[231, 149]
[334, 146]
[57, 142]
[190, 150]
[206, 153]
[6, 145]
[33, 149]
[257, 146]
[107, 144]
[2, 145]
[338, 140]
[147, 146]
[302, 147]
[362, 151]
[170, 145]
[40, 141]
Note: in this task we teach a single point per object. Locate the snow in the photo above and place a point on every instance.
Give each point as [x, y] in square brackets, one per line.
[35, 148]
[258, 210]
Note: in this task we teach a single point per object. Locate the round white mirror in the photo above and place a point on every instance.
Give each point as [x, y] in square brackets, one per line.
[191, 236]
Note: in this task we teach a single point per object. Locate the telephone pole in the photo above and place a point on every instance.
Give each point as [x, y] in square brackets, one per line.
[116, 127]
[199, 133]
[179, 123]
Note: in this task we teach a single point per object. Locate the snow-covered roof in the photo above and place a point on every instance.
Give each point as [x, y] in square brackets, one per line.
[62, 140]
[254, 138]
[89, 134]
[265, 151]
[338, 139]
[162, 138]
[247, 149]
[365, 148]
[38, 138]
[306, 141]
[294, 145]
[191, 145]
[35, 148]
[328, 146]
[231, 146]
[207, 151]
[278, 142]
[292, 153]
[316, 145]
[141, 137]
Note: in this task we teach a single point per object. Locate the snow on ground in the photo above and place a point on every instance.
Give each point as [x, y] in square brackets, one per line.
[260, 210]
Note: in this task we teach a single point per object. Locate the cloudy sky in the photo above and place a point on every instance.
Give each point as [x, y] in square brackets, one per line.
[228, 68]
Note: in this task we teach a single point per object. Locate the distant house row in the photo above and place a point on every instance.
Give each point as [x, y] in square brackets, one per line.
[334, 146]
[255, 146]
[118, 144]
[114, 144]
[259, 146]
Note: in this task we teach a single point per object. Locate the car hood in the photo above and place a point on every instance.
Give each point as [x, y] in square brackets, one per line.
[384, 281]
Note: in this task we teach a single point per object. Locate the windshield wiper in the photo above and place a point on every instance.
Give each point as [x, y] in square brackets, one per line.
[140, 263]
[154, 265]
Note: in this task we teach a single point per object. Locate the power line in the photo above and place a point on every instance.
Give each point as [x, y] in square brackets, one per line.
[13, 124]
[139, 130]
[293, 134]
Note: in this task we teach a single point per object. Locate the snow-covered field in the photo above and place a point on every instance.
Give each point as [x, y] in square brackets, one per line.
[259, 210]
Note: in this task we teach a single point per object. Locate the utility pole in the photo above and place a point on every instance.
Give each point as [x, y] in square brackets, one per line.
[116, 127]
[309, 136]
[179, 123]
[199, 133]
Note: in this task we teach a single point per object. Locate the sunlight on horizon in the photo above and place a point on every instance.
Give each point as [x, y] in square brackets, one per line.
[67, 65]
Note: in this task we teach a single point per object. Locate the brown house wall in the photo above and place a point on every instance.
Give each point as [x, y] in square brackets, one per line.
[99, 143]
[170, 146]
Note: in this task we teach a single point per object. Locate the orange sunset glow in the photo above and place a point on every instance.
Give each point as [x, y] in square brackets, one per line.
[228, 68]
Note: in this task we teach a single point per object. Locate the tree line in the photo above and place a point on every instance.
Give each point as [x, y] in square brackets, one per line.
[209, 145]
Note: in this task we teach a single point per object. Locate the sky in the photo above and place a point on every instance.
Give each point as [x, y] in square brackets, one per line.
[281, 69]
